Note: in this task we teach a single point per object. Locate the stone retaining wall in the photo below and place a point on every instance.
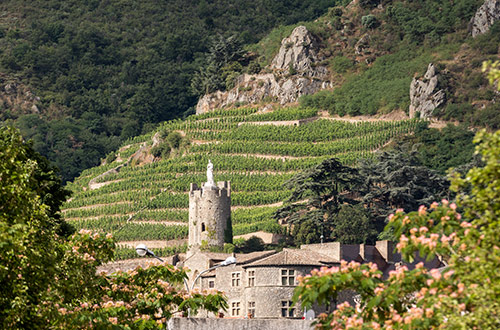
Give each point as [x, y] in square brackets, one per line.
[237, 324]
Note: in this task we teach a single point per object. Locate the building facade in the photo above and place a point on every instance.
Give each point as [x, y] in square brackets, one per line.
[261, 284]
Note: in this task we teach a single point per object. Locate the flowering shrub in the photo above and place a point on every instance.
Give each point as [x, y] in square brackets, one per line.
[48, 281]
[465, 294]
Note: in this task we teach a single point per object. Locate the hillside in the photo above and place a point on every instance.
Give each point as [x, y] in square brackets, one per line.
[146, 200]
[81, 77]
[378, 55]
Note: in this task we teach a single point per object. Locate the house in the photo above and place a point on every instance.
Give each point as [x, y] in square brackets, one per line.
[261, 284]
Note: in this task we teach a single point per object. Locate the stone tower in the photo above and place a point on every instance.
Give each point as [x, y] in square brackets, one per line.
[209, 213]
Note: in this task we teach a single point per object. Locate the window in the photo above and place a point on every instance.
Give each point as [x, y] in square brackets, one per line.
[251, 278]
[211, 284]
[235, 308]
[286, 310]
[287, 277]
[203, 226]
[235, 279]
[251, 308]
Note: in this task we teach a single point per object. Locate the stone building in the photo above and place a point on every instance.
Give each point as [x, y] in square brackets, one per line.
[209, 213]
[261, 284]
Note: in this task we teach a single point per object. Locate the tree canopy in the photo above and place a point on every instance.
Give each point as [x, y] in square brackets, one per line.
[462, 295]
[50, 281]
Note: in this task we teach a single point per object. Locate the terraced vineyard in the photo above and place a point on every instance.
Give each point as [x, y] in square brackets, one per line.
[257, 152]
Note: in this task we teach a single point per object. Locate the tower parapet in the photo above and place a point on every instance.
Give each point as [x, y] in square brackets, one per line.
[209, 214]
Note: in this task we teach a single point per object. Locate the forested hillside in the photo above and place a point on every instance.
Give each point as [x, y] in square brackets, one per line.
[80, 77]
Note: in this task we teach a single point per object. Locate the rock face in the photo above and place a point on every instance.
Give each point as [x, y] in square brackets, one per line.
[300, 51]
[425, 95]
[295, 72]
[485, 17]
[17, 97]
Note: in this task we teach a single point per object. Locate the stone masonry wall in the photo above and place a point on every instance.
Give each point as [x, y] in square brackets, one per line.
[209, 212]
[237, 324]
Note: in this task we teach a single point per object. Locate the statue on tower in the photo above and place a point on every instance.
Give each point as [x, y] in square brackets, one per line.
[210, 175]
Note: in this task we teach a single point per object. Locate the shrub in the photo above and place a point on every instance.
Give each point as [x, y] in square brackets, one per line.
[341, 64]
[174, 140]
[369, 21]
[254, 67]
[335, 12]
[161, 150]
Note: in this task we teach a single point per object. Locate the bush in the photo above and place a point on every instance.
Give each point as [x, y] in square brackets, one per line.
[161, 150]
[335, 12]
[367, 4]
[341, 64]
[369, 21]
[457, 111]
[174, 140]
[254, 67]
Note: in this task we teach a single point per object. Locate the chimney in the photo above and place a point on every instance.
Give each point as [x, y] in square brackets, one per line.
[385, 249]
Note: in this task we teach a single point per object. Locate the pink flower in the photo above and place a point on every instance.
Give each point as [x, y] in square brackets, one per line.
[422, 210]
[436, 274]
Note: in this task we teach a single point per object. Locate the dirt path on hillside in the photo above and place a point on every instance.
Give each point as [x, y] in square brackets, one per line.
[95, 206]
[395, 115]
[160, 222]
[256, 206]
[154, 244]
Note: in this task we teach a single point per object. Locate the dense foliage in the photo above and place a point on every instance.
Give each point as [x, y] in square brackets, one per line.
[49, 281]
[332, 201]
[462, 295]
[109, 70]
[441, 149]
[372, 66]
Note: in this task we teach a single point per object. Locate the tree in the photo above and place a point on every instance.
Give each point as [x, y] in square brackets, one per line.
[493, 69]
[397, 179]
[222, 60]
[463, 295]
[317, 194]
[50, 281]
[352, 225]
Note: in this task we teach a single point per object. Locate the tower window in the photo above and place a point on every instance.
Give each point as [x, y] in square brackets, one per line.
[203, 227]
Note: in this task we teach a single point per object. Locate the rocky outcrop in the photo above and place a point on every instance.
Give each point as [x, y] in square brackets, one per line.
[485, 17]
[362, 45]
[425, 94]
[300, 52]
[17, 97]
[296, 71]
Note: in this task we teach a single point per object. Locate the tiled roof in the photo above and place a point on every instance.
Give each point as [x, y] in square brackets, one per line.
[241, 258]
[295, 257]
